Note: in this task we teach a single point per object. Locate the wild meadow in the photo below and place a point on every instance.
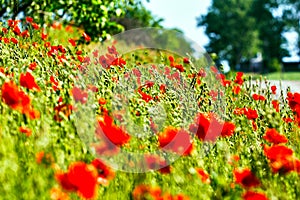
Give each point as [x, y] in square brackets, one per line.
[78, 122]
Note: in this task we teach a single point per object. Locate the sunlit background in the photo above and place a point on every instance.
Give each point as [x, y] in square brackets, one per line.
[183, 15]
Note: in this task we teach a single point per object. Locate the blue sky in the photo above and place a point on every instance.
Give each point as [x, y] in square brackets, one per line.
[182, 14]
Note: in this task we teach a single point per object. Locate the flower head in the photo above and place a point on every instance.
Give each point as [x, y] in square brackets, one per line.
[245, 178]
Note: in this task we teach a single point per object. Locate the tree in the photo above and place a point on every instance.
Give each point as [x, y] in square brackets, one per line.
[270, 28]
[137, 16]
[232, 32]
[291, 16]
[97, 17]
[239, 29]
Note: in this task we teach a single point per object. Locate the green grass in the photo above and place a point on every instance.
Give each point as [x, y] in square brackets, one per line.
[291, 76]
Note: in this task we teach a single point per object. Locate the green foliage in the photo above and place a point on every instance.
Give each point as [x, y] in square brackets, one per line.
[99, 18]
[230, 29]
[274, 65]
[137, 16]
[24, 174]
[291, 15]
[271, 39]
[239, 29]
[289, 76]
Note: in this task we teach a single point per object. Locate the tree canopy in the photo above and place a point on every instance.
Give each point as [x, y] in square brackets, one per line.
[238, 29]
[97, 17]
[291, 15]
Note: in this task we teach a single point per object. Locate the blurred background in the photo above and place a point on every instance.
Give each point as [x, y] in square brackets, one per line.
[253, 36]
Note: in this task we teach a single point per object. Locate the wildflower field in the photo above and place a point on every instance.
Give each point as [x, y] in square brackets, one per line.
[89, 124]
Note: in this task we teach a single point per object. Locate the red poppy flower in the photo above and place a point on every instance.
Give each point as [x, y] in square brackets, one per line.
[32, 66]
[2, 70]
[228, 129]
[86, 37]
[202, 73]
[225, 82]
[81, 178]
[239, 111]
[35, 26]
[262, 98]
[186, 60]
[17, 30]
[255, 97]
[64, 182]
[44, 36]
[141, 192]
[171, 59]
[213, 94]
[239, 78]
[105, 173]
[46, 44]
[11, 95]
[79, 52]
[15, 98]
[56, 25]
[162, 88]
[118, 62]
[6, 40]
[236, 89]
[282, 159]
[145, 97]
[27, 80]
[254, 126]
[273, 89]
[41, 157]
[287, 120]
[214, 69]
[207, 127]
[246, 178]
[294, 103]
[102, 101]
[233, 159]
[179, 197]
[72, 42]
[69, 29]
[273, 136]
[58, 194]
[25, 130]
[103, 61]
[251, 114]
[275, 104]
[62, 109]
[293, 99]
[4, 30]
[176, 76]
[110, 133]
[12, 23]
[54, 83]
[176, 140]
[157, 163]
[29, 19]
[80, 58]
[179, 67]
[277, 152]
[14, 40]
[25, 34]
[250, 195]
[204, 176]
[79, 95]
[112, 50]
